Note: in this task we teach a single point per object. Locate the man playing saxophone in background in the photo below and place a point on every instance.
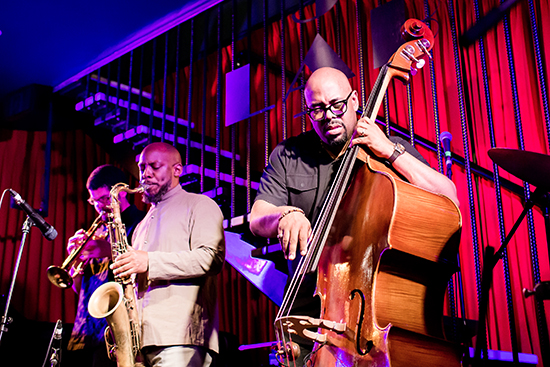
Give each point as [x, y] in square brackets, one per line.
[87, 344]
[178, 249]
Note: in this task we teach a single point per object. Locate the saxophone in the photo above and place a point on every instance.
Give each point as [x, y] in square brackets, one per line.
[116, 301]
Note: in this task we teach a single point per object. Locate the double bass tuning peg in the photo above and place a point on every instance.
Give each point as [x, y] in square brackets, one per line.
[408, 53]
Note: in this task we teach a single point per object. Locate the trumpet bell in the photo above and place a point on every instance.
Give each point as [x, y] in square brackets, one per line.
[59, 277]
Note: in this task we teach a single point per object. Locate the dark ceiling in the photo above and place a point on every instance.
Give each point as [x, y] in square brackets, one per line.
[51, 42]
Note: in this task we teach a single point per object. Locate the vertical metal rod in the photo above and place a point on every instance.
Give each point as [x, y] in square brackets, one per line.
[317, 25]
[98, 83]
[301, 54]
[249, 120]
[467, 159]
[540, 68]
[233, 126]
[358, 22]
[190, 93]
[219, 98]
[283, 68]
[152, 102]
[87, 89]
[177, 92]
[108, 91]
[338, 14]
[45, 204]
[164, 84]
[435, 103]
[387, 113]
[5, 319]
[118, 82]
[440, 155]
[140, 97]
[204, 91]
[266, 88]
[233, 15]
[386, 104]
[321, 28]
[411, 115]
[129, 109]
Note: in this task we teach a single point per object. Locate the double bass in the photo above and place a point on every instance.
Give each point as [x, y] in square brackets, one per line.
[384, 251]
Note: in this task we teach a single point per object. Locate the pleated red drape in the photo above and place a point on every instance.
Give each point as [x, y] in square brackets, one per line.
[22, 158]
[243, 310]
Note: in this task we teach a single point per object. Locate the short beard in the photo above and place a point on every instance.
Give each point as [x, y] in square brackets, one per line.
[154, 199]
[339, 141]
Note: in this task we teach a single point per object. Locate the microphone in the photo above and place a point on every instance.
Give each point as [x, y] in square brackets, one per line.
[47, 230]
[445, 139]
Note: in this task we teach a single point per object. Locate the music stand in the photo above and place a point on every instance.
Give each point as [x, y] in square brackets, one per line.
[530, 167]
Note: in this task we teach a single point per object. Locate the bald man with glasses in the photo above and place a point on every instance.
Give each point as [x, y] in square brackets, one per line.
[298, 177]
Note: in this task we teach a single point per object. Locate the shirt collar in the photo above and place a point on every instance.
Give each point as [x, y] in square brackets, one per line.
[172, 192]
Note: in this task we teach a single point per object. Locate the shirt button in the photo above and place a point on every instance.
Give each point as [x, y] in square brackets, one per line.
[145, 242]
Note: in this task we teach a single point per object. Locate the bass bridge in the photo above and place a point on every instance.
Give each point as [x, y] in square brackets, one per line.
[300, 325]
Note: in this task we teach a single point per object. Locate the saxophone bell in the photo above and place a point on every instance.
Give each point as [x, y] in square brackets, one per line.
[107, 302]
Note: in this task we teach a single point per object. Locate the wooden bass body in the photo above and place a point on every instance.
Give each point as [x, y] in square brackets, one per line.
[384, 271]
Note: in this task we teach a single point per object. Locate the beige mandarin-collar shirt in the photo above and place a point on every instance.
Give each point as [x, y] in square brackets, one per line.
[183, 234]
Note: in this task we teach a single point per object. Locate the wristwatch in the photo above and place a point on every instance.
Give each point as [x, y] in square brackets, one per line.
[398, 149]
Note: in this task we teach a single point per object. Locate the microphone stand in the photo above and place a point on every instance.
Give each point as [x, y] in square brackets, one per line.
[459, 286]
[54, 352]
[490, 259]
[5, 319]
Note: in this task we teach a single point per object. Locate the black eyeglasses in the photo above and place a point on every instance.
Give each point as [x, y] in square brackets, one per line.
[105, 200]
[337, 108]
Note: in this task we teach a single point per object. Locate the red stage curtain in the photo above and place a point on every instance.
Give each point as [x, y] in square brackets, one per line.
[476, 127]
[246, 313]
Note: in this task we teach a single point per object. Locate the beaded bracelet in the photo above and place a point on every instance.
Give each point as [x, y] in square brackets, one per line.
[292, 210]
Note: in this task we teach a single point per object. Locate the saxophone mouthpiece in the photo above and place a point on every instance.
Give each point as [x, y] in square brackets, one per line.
[143, 185]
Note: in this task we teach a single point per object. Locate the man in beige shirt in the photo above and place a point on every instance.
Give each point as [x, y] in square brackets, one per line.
[179, 249]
